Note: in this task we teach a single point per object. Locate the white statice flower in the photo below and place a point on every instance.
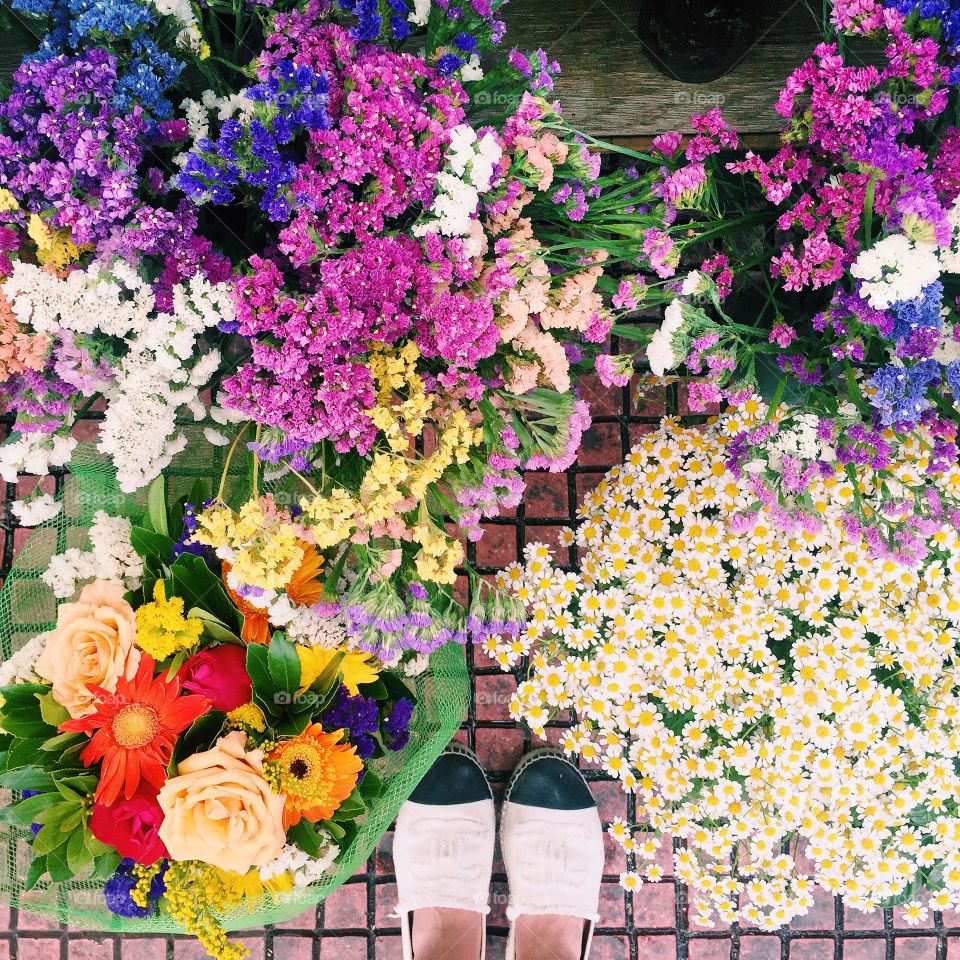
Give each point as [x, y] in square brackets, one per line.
[895, 269]
[799, 440]
[312, 629]
[659, 351]
[18, 668]
[950, 254]
[111, 557]
[34, 453]
[691, 283]
[420, 13]
[159, 374]
[471, 71]
[300, 865]
[36, 510]
[416, 665]
[469, 168]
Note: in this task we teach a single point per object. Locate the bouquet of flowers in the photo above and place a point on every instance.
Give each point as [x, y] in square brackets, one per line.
[785, 703]
[176, 762]
[843, 300]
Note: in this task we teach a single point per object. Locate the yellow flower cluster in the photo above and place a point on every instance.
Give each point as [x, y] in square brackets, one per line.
[394, 372]
[145, 873]
[162, 629]
[196, 892]
[755, 688]
[355, 668]
[397, 480]
[54, 247]
[248, 716]
[259, 541]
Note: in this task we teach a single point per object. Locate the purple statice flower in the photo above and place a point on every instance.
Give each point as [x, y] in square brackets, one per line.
[118, 889]
[358, 715]
[396, 726]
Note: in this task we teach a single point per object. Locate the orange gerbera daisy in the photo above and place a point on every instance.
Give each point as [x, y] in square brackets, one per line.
[317, 773]
[134, 730]
[304, 589]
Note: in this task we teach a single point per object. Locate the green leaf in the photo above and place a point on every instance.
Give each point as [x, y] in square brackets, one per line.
[259, 672]
[396, 688]
[95, 846]
[351, 808]
[371, 786]
[200, 587]
[49, 838]
[84, 783]
[79, 858]
[58, 866]
[152, 547]
[157, 507]
[22, 694]
[306, 838]
[200, 735]
[51, 711]
[377, 690]
[25, 812]
[24, 728]
[105, 865]
[38, 867]
[213, 628]
[69, 824]
[283, 663]
[333, 828]
[61, 741]
[56, 813]
[27, 778]
[68, 793]
[26, 753]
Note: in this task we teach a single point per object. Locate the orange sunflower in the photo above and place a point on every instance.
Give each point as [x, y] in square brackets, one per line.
[304, 589]
[317, 773]
[134, 730]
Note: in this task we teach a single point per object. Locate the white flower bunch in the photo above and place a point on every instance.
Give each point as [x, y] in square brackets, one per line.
[762, 693]
[34, 453]
[18, 668]
[33, 511]
[660, 352]
[895, 269]
[111, 557]
[159, 372]
[470, 167]
[306, 869]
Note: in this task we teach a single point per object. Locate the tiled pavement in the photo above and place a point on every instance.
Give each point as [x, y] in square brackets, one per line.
[355, 923]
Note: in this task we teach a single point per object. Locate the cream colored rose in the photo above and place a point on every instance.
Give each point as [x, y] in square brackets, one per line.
[221, 810]
[92, 644]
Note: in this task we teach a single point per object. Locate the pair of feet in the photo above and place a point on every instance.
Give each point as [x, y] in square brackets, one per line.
[552, 845]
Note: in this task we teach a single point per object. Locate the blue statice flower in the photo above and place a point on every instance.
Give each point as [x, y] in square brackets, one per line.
[290, 101]
[946, 11]
[900, 393]
[190, 525]
[923, 311]
[74, 24]
[953, 378]
[449, 64]
[358, 715]
[368, 17]
[118, 889]
[396, 727]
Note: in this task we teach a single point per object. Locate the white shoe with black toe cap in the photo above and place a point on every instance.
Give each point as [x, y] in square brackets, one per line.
[552, 843]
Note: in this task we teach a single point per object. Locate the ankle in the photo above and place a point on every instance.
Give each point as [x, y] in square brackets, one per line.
[443, 933]
[550, 937]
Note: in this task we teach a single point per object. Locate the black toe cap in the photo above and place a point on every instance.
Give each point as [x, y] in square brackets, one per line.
[454, 778]
[553, 783]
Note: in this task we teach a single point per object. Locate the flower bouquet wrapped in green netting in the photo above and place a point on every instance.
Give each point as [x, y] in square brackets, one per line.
[172, 758]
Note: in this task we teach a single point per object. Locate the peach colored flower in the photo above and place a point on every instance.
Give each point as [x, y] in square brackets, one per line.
[221, 810]
[91, 646]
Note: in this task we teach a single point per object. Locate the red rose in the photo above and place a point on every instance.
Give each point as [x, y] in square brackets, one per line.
[220, 674]
[130, 826]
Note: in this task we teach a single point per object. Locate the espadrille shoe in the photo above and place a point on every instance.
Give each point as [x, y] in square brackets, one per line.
[552, 843]
[443, 853]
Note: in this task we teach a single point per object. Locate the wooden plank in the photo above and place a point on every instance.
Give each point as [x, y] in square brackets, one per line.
[610, 88]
